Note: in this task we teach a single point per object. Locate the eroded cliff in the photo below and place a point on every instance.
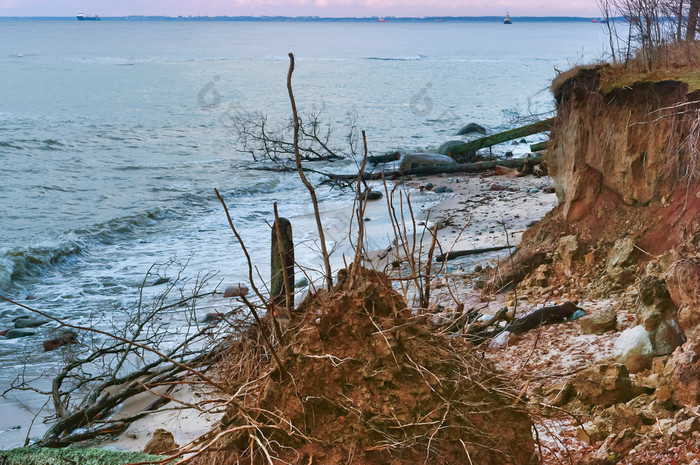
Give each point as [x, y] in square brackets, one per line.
[625, 159]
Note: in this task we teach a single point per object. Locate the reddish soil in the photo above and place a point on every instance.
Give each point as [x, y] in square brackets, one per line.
[369, 382]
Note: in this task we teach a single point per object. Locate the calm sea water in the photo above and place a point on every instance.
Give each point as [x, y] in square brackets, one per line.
[113, 136]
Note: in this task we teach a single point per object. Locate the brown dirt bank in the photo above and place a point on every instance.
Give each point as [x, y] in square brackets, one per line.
[625, 163]
[624, 160]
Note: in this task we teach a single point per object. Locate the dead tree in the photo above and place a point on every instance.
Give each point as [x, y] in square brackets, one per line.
[266, 141]
[692, 20]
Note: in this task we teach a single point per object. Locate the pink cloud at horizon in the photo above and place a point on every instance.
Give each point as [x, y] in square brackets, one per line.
[323, 8]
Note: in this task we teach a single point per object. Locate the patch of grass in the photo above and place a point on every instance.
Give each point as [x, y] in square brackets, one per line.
[675, 62]
[617, 78]
[44, 456]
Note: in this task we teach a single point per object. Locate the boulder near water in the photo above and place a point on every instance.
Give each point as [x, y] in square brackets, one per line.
[471, 128]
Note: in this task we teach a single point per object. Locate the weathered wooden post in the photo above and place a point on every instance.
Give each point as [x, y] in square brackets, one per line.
[282, 263]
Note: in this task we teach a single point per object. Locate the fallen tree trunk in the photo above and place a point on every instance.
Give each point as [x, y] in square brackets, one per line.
[539, 146]
[462, 253]
[543, 316]
[386, 158]
[466, 152]
[475, 167]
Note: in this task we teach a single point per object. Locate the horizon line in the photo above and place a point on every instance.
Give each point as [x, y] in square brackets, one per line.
[308, 17]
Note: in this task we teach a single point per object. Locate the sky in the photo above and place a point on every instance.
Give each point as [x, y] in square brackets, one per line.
[324, 8]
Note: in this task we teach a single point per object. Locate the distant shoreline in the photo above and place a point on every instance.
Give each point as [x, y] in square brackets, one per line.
[427, 19]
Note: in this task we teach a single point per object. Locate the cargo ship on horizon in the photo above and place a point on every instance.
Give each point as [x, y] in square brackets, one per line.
[83, 17]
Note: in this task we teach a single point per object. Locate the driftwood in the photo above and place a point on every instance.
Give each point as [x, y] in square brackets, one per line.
[543, 316]
[386, 158]
[479, 331]
[539, 146]
[462, 253]
[468, 150]
[475, 167]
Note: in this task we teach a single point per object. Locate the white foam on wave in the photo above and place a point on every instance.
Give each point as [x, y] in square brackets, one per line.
[398, 58]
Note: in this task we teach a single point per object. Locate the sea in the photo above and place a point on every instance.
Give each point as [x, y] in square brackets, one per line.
[114, 135]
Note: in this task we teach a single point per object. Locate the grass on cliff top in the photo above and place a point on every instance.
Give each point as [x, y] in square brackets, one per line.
[617, 78]
[44, 456]
[677, 62]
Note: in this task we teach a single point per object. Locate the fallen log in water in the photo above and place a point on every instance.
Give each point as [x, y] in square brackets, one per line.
[462, 253]
[467, 151]
[475, 167]
[386, 158]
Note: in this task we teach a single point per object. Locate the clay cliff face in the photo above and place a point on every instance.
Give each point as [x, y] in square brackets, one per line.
[624, 157]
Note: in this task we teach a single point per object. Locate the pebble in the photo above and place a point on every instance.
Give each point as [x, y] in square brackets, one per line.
[237, 290]
[440, 190]
[500, 341]
[440, 225]
[534, 190]
[212, 317]
[301, 282]
[429, 185]
[577, 314]
[494, 187]
[371, 195]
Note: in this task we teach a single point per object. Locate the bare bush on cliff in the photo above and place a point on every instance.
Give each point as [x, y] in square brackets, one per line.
[648, 28]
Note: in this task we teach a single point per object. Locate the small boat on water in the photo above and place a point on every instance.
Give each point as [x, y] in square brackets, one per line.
[382, 20]
[507, 19]
[83, 17]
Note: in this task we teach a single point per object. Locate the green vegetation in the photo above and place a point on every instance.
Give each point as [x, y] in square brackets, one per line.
[611, 80]
[39, 456]
[618, 77]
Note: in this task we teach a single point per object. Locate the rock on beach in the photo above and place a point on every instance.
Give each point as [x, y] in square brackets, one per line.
[237, 290]
[29, 322]
[17, 333]
[63, 339]
[411, 160]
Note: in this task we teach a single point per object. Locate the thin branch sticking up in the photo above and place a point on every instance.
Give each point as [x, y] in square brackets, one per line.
[312, 191]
